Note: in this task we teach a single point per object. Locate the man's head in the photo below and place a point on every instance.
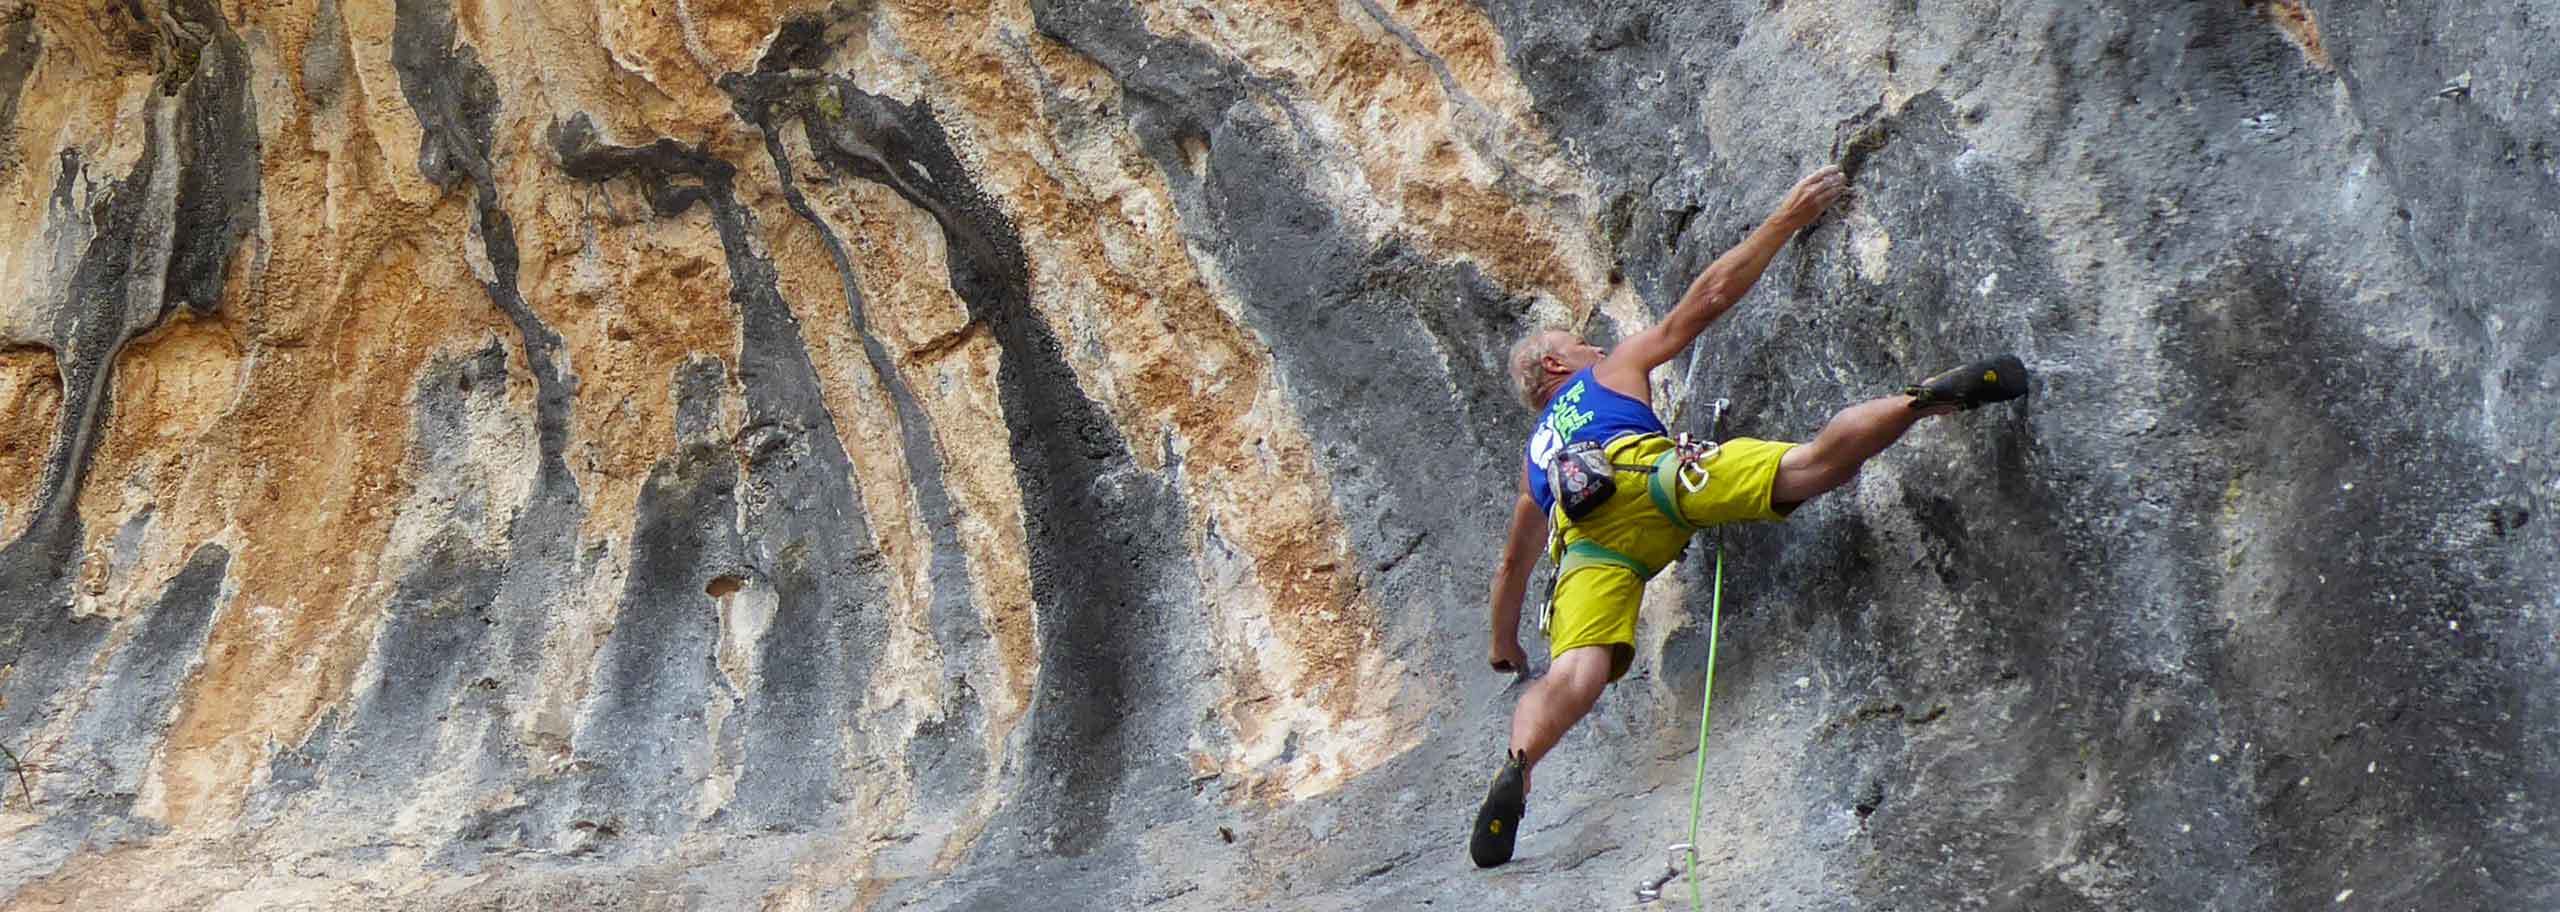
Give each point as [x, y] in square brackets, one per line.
[1543, 358]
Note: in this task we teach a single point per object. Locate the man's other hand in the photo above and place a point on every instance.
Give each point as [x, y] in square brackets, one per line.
[1810, 196]
[1507, 655]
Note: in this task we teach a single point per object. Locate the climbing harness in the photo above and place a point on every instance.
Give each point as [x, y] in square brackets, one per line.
[1579, 479]
[1683, 466]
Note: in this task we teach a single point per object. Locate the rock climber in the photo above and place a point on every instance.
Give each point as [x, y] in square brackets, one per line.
[1627, 497]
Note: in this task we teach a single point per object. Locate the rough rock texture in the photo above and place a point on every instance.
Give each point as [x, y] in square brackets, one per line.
[720, 454]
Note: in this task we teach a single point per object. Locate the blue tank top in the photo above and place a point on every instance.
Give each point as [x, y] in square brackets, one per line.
[1582, 410]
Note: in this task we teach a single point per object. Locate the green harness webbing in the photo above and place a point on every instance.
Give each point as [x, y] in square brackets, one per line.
[1659, 485]
[1586, 552]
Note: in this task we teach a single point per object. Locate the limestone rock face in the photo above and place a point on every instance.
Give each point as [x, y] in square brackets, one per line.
[994, 454]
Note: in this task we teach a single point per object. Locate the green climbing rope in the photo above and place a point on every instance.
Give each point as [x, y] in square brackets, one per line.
[1706, 707]
[1715, 623]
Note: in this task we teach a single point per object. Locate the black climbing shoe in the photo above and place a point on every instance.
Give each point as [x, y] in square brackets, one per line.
[1978, 384]
[1498, 822]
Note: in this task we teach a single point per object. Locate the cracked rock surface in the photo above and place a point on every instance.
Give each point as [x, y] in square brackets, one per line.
[995, 454]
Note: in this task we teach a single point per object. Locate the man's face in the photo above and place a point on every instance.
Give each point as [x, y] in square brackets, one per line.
[1567, 353]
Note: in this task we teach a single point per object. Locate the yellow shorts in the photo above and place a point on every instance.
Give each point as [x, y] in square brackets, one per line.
[1595, 605]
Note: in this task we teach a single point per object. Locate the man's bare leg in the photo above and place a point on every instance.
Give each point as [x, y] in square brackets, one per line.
[1854, 436]
[1545, 713]
[1558, 700]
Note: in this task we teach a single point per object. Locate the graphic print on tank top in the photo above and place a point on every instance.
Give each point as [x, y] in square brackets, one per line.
[1582, 410]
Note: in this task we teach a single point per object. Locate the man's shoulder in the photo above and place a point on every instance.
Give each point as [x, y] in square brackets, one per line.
[1627, 387]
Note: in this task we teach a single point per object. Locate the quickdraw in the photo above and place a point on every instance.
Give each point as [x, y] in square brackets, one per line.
[1651, 890]
[1694, 454]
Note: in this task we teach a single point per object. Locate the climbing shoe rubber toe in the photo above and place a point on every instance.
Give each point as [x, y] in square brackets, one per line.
[1498, 822]
[1973, 385]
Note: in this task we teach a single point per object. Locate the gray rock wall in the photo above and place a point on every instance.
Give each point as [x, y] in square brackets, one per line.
[1050, 455]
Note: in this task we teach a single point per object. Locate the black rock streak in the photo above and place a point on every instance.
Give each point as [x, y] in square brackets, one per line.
[1106, 563]
[761, 101]
[803, 518]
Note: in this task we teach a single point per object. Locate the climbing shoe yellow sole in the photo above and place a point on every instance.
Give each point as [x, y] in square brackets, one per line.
[1498, 822]
[1973, 385]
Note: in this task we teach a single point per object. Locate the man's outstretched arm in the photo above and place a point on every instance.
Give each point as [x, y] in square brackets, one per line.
[1725, 281]
[1511, 582]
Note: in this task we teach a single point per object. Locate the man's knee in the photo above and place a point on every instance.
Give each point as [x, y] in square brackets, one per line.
[1815, 459]
[1583, 671]
[1806, 472]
